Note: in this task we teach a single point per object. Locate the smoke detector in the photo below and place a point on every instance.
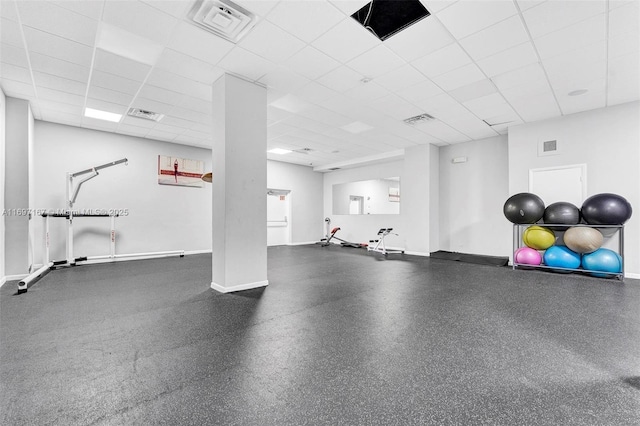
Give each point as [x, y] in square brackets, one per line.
[223, 18]
[419, 119]
[147, 115]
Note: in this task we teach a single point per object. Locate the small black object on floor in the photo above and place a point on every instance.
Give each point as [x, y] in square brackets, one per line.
[470, 258]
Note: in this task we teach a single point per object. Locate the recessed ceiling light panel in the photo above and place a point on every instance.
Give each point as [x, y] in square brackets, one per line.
[385, 18]
[223, 18]
[280, 151]
[356, 127]
[102, 115]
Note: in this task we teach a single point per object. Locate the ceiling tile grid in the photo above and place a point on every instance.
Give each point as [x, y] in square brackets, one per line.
[477, 66]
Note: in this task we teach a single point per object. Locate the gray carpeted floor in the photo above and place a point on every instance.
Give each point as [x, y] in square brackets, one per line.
[339, 337]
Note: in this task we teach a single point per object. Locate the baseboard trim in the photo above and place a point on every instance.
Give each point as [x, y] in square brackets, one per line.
[189, 252]
[417, 253]
[304, 243]
[633, 275]
[2, 281]
[239, 287]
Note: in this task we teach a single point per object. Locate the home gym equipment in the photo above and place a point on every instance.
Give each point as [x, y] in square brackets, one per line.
[379, 242]
[523, 208]
[603, 260]
[343, 243]
[538, 237]
[561, 257]
[527, 256]
[606, 209]
[583, 239]
[207, 177]
[561, 213]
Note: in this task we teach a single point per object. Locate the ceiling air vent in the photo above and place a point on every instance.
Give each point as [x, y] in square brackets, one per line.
[422, 118]
[303, 150]
[147, 115]
[223, 18]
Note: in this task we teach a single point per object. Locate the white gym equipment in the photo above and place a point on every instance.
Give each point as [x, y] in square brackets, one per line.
[73, 187]
[379, 243]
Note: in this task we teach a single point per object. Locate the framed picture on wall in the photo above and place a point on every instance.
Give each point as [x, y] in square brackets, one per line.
[180, 171]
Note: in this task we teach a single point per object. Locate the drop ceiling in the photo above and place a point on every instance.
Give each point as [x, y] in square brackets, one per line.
[336, 93]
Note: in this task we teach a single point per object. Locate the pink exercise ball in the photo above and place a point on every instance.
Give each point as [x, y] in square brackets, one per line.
[527, 256]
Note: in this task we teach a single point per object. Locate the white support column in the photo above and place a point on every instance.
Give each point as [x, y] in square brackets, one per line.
[239, 183]
[416, 199]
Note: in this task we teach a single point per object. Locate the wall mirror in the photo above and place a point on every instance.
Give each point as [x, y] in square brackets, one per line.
[375, 196]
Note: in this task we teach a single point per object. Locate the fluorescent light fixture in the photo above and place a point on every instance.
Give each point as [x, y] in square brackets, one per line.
[102, 115]
[356, 127]
[280, 151]
[128, 45]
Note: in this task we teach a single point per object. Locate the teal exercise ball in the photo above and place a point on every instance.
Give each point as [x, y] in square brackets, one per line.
[602, 260]
[561, 257]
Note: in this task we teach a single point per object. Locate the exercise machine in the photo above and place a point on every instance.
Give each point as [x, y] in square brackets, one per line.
[331, 234]
[379, 242]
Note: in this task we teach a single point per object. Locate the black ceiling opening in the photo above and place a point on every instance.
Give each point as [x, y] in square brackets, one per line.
[385, 18]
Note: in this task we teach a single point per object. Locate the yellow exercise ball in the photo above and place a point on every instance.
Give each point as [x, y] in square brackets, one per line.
[583, 239]
[538, 237]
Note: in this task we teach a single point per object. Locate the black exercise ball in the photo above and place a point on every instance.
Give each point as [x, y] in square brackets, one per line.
[606, 209]
[562, 213]
[523, 208]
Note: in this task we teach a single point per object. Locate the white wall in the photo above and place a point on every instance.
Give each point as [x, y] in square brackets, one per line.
[160, 218]
[362, 228]
[306, 198]
[2, 180]
[607, 140]
[434, 198]
[472, 196]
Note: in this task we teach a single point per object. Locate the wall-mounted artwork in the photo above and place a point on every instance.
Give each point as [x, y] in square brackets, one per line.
[179, 171]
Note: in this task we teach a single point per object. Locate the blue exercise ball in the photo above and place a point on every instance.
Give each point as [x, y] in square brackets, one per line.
[603, 260]
[523, 208]
[561, 213]
[561, 257]
[606, 209]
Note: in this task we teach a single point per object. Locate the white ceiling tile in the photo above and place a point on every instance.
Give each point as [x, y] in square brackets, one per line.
[418, 92]
[474, 90]
[115, 82]
[623, 87]
[151, 105]
[290, 103]
[367, 92]
[174, 124]
[61, 48]
[10, 33]
[17, 89]
[58, 83]
[275, 115]
[346, 41]
[261, 8]
[50, 65]
[14, 55]
[349, 7]
[311, 63]
[107, 95]
[314, 92]
[90, 9]
[592, 78]
[139, 123]
[496, 38]
[61, 117]
[58, 96]
[114, 64]
[162, 135]
[200, 44]
[190, 115]
[524, 75]
[179, 84]
[624, 44]
[326, 116]
[442, 131]
[551, 16]
[176, 8]
[443, 60]
[271, 42]
[420, 39]
[107, 106]
[283, 79]
[400, 78]
[529, 89]
[465, 17]
[307, 20]
[490, 106]
[508, 60]
[187, 66]
[8, 10]
[12, 72]
[280, 129]
[438, 105]
[585, 102]
[196, 104]
[141, 19]
[396, 107]
[528, 4]
[614, 4]
[130, 130]
[67, 24]
[534, 108]
[376, 62]
[341, 79]
[624, 19]
[459, 77]
[246, 64]
[575, 61]
[570, 38]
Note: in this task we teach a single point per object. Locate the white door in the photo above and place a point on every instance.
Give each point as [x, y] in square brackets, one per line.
[355, 204]
[278, 217]
[553, 184]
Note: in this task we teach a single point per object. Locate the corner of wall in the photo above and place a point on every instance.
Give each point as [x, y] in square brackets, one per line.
[2, 179]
